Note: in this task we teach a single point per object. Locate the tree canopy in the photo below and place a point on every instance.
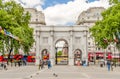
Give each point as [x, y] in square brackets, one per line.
[107, 30]
[14, 20]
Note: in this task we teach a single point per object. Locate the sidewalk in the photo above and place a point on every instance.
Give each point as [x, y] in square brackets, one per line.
[62, 72]
[9, 67]
[18, 72]
[78, 72]
[115, 69]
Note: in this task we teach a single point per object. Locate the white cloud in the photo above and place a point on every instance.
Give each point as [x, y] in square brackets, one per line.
[30, 3]
[62, 14]
[60, 43]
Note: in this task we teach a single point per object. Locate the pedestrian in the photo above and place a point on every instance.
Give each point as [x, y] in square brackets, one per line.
[49, 64]
[24, 61]
[39, 66]
[19, 63]
[101, 62]
[111, 65]
[78, 63]
[5, 67]
[15, 62]
[42, 64]
[108, 65]
[11, 61]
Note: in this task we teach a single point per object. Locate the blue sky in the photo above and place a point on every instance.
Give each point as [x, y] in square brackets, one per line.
[48, 3]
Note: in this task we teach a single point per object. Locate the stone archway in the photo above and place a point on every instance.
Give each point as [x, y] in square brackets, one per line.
[47, 36]
[62, 52]
[77, 57]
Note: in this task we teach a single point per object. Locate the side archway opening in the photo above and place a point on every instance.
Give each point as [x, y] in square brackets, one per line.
[45, 55]
[78, 57]
[61, 55]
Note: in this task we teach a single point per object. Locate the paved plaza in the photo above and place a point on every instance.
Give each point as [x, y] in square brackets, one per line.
[63, 72]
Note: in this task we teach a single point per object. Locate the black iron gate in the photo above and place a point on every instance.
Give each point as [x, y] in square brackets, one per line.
[61, 56]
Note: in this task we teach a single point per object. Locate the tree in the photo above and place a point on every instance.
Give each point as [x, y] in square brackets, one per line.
[59, 53]
[107, 30]
[114, 1]
[14, 20]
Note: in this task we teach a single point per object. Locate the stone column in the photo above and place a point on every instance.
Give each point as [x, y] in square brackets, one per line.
[71, 58]
[52, 48]
[37, 47]
[86, 47]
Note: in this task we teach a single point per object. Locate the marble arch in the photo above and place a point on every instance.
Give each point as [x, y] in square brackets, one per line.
[47, 36]
[61, 39]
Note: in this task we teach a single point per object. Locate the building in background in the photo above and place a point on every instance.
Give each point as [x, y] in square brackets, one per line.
[88, 18]
[37, 19]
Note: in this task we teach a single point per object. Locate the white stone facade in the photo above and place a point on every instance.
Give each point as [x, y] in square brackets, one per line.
[88, 18]
[48, 36]
[37, 17]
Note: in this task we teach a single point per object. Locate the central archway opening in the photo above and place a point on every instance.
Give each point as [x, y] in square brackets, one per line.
[61, 55]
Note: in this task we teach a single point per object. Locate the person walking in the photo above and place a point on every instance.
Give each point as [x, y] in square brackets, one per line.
[49, 64]
[40, 63]
[78, 63]
[111, 65]
[24, 60]
[108, 65]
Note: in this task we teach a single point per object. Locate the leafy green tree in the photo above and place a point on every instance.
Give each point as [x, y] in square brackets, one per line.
[114, 1]
[107, 30]
[14, 20]
[59, 53]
